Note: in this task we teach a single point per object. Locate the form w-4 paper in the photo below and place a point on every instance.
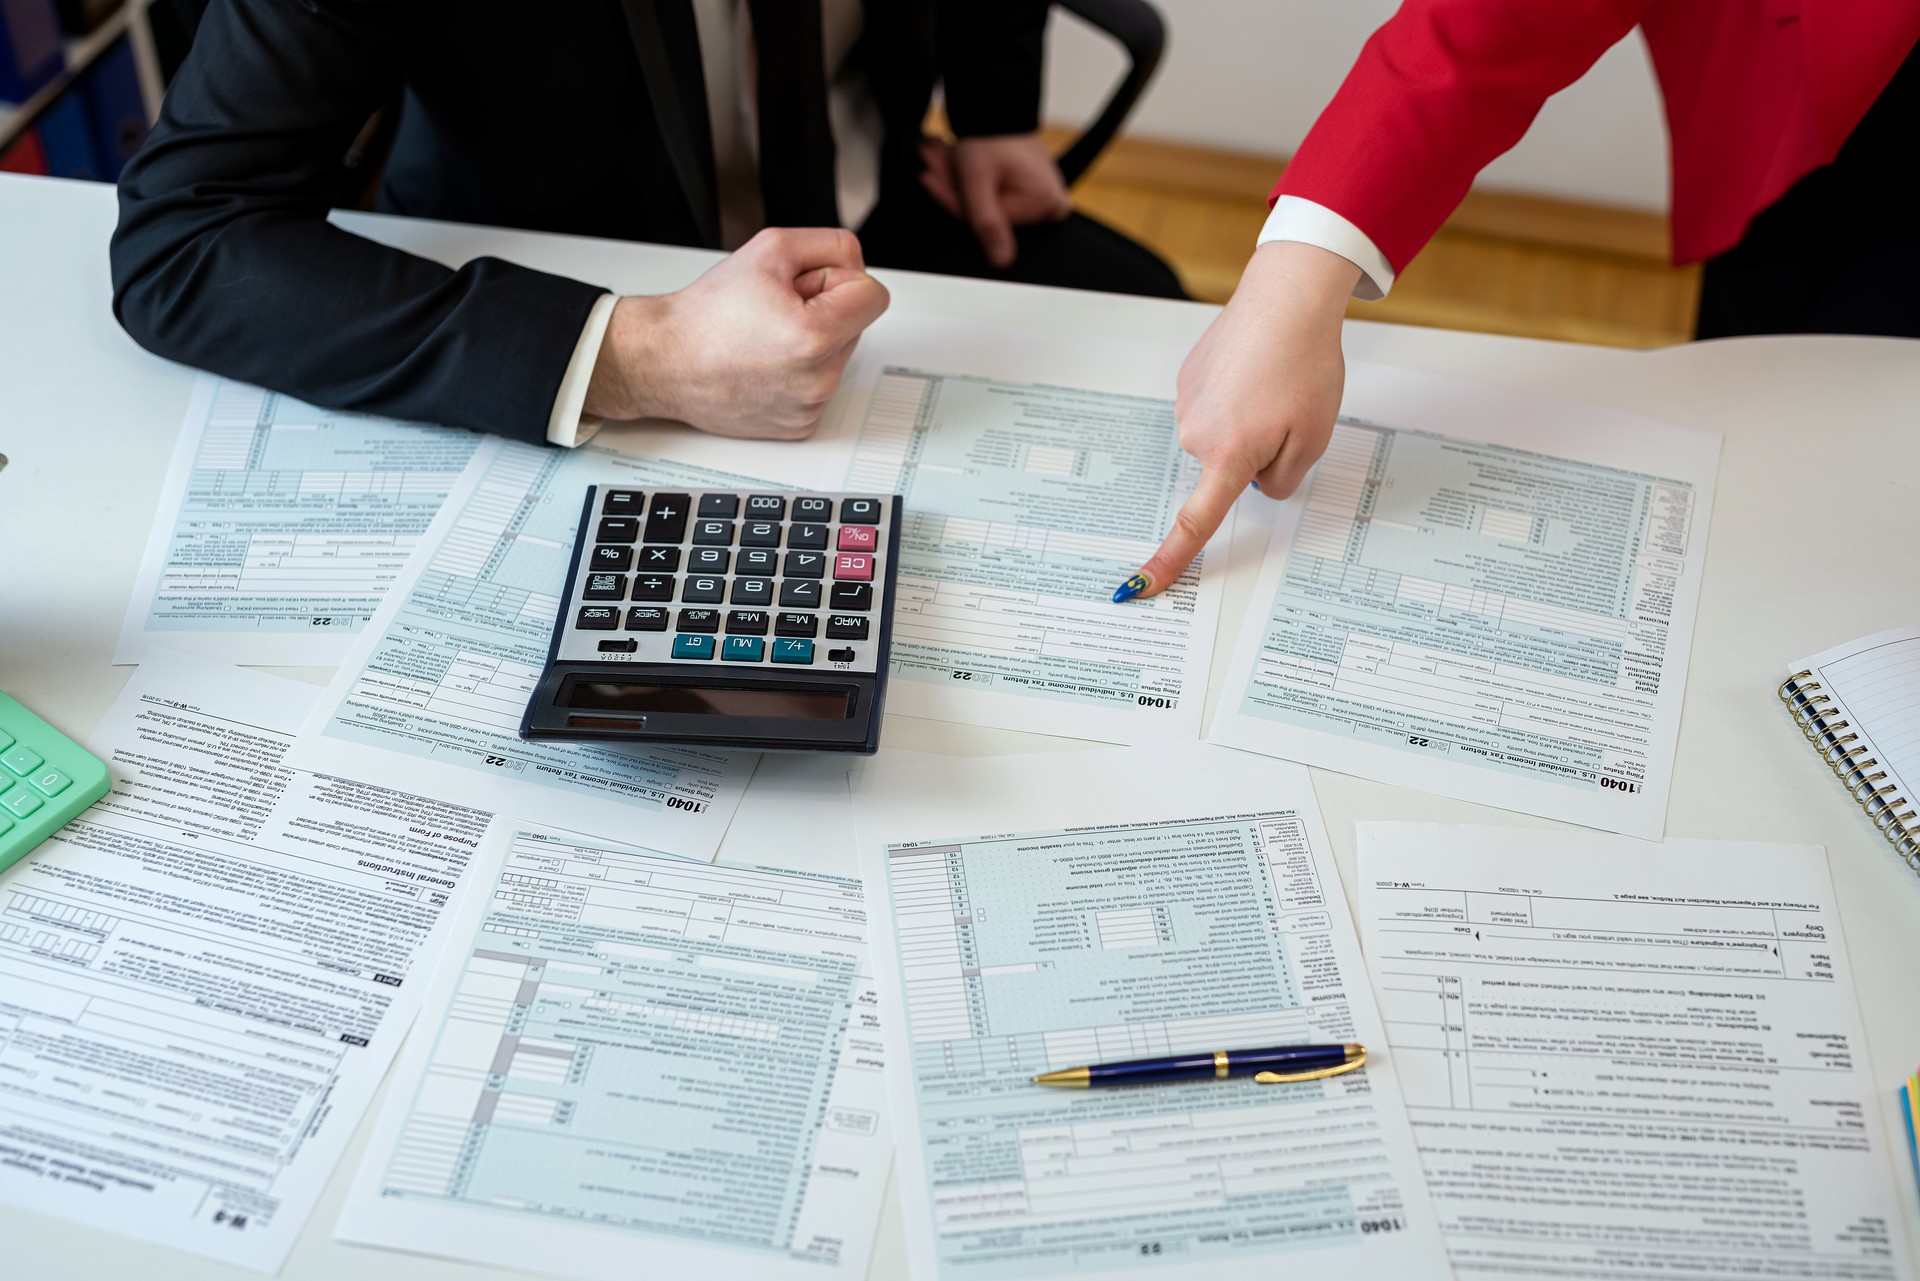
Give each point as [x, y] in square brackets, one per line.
[1044, 912]
[204, 977]
[1627, 1060]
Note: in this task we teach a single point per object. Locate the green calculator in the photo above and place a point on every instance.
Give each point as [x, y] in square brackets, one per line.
[45, 779]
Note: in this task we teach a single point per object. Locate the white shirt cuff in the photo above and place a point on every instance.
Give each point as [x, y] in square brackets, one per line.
[567, 425]
[1296, 219]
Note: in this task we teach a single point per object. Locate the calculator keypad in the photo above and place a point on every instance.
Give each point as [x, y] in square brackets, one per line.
[732, 578]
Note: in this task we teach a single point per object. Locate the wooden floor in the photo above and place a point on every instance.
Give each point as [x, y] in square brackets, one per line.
[1504, 264]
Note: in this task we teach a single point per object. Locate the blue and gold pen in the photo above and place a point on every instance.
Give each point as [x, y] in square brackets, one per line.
[1272, 1066]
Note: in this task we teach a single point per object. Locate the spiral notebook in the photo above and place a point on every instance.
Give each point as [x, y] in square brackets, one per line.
[1859, 705]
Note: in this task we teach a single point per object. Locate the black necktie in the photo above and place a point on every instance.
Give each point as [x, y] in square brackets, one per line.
[665, 37]
[797, 184]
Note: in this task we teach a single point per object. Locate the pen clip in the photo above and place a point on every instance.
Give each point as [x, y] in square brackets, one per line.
[1288, 1078]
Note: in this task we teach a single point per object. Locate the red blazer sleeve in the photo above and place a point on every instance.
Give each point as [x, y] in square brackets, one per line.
[1439, 90]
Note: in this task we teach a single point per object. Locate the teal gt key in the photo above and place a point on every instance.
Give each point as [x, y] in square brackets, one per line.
[45, 779]
[693, 647]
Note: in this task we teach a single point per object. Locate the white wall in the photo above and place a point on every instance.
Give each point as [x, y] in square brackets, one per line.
[1250, 75]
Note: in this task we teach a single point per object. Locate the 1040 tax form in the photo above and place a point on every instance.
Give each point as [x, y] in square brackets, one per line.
[282, 525]
[1627, 1060]
[1039, 470]
[437, 684]
[1129, 904]
[1483, 596]
[637, 1057]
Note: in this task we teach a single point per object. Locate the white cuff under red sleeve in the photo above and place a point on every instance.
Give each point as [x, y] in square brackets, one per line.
[568, 424]
[1297, 219]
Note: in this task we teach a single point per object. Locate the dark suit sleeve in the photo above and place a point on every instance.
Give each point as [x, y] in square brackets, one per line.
[224, 258]
[991, 57]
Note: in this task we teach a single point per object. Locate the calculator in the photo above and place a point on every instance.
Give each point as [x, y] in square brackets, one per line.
[45, 779]
[724, 618]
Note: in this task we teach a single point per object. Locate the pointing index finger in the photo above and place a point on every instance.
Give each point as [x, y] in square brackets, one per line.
[1212, 498]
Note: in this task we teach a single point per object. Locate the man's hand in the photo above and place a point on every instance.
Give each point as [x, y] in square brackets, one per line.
[1257, 395]
[995, 185]
[755, 347]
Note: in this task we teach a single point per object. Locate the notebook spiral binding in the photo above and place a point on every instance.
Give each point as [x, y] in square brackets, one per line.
[1849, 758]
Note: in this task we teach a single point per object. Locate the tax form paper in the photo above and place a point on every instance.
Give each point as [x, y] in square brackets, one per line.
[1482, 595]
[436, 686]
[204, 977]
[282, 525]
[643, 1066]
[1039, 469]
[1128, 904]
[1627, 1060]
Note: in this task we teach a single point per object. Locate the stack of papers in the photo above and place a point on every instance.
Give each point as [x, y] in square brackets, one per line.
[688, 1007]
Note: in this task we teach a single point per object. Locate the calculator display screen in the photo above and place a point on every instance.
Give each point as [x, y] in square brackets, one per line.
[692, 700]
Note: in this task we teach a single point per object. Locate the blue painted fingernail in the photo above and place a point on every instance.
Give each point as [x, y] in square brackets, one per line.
[1131, 588]
[1254, 483]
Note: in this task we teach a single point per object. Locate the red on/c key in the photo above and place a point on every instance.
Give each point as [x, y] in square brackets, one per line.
[853, 567]
[859, 538]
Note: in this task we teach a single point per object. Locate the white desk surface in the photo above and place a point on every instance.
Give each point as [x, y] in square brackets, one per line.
[1813, 543]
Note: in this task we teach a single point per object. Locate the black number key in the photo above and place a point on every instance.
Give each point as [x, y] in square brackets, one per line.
[597, 618]
[765, 507]
[805, 564]
[752, 591]
[811, 537]
[800, 593]
[661, 560]
[796, 625]
[646, 618]
[713, 533]
[860, 511]
[759, 561]
[812, 509]
[760, 533]
[719, 506]
[707, 560]
[605, 587]
[617, 529]
[846, 627]
[699, 620]
[652, 587]
[611, 559]
[704, 591]
[622, 502]
[747, 622]
[667, 518]
[857, 596]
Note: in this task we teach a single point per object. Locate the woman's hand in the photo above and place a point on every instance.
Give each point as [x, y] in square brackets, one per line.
[1257, 395]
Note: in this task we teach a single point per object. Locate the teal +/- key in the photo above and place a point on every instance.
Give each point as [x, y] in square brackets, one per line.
[45, 779]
